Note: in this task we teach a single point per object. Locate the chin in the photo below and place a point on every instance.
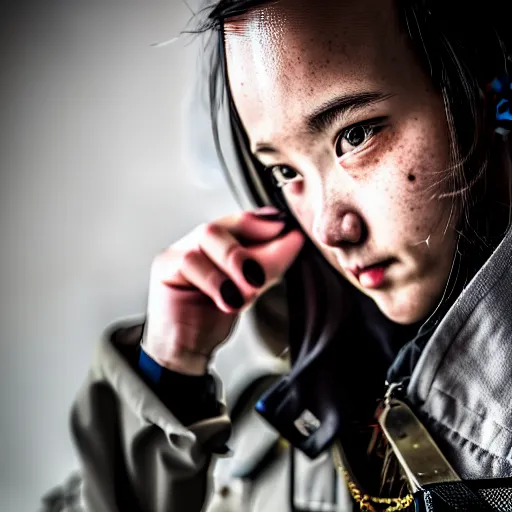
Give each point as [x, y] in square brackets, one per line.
[403, 317]
[404, 309]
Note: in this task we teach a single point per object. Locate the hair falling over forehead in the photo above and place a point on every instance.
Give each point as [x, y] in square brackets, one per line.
[462, 46]
[218, 12]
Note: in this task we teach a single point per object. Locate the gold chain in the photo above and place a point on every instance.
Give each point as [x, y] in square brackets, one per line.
[365, 500]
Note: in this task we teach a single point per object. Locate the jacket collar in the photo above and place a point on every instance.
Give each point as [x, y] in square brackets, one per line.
[461, 385]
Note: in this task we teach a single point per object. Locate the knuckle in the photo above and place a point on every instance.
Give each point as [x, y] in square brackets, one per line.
[191, 257]
[233, 254]
[210, 230]
[164, 265]
[214, 278]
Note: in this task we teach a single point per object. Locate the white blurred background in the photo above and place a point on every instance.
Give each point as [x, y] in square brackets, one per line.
[102, 164]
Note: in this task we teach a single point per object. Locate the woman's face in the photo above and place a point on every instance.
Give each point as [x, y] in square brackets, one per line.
[338, 108]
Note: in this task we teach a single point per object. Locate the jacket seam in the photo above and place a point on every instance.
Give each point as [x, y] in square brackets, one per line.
[473, 412]
[469, 441]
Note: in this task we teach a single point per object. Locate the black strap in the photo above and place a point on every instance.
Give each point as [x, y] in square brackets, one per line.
[453, 496]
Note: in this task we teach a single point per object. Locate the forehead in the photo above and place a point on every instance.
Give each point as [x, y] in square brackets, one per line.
[285, 55]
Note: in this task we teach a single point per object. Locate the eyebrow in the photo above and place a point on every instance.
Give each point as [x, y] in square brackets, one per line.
[323, 117]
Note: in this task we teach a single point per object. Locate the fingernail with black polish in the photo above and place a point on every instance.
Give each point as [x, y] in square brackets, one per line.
[231, 294]
[281, 216]
[290, 226]
[253, 273]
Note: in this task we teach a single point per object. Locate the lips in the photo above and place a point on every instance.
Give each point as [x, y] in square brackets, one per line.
[372, 276]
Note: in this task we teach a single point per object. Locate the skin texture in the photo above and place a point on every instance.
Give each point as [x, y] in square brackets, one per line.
[360, 203]
[188, 315]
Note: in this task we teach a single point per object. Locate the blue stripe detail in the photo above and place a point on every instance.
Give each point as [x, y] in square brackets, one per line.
[503, 111]
[150, 368]
[260, 406]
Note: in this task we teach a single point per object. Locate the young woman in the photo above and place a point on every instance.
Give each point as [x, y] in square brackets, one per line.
[378, 129]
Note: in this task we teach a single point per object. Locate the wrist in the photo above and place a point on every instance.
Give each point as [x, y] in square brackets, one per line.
[177, 358]
[191, 398]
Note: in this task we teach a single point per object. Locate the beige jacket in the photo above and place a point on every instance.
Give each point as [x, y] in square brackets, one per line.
[138, 457]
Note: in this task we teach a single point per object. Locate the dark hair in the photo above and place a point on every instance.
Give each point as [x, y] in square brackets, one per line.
[463, 48]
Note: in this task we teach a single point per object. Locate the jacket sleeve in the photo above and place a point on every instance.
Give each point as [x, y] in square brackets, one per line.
[136, 456]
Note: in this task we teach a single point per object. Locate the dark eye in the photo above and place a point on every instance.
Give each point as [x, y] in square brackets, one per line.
[283, 174]
[353, 137]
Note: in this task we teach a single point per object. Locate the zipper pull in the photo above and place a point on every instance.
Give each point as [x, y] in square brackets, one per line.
[413, 446]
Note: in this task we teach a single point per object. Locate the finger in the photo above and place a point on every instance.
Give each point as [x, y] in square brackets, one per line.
[198, 270]
[253, 228]
[249, 228]
[278, 255]
[258, 225]
[233, 259]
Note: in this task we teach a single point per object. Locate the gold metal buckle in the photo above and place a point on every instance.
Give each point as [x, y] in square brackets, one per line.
[418, 454]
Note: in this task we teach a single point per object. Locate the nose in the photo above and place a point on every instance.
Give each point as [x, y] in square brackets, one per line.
[334, 228]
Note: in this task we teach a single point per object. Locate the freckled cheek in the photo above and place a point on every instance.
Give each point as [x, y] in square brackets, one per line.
[410, 206]
[396, 207]
[415, 216]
